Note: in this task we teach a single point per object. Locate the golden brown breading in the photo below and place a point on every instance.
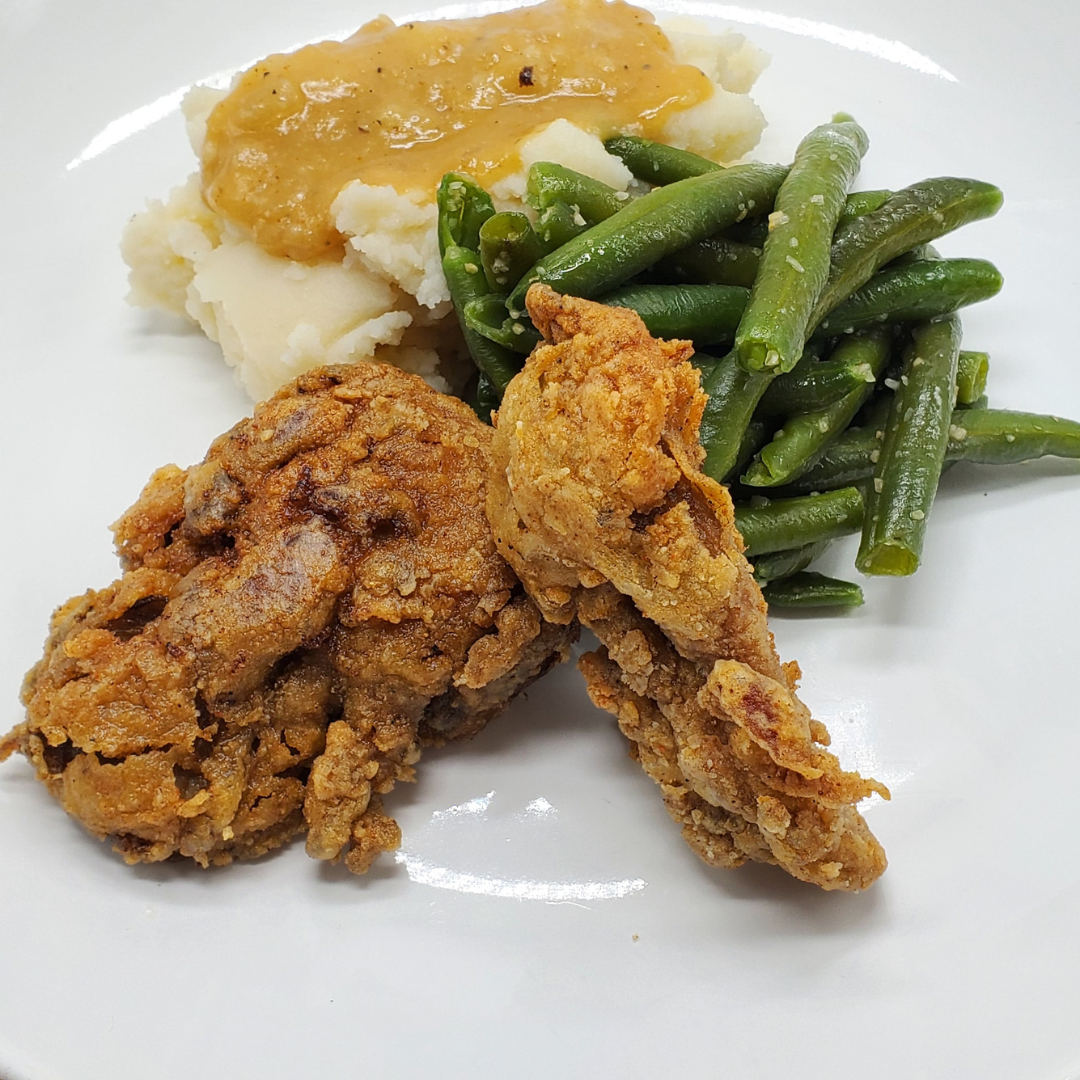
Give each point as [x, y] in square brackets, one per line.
[299, 614]
[598, 502]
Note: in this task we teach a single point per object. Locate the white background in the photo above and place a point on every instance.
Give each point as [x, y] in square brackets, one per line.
[546, 920]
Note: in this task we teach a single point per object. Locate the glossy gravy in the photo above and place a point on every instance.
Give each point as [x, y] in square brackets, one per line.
[402, 105]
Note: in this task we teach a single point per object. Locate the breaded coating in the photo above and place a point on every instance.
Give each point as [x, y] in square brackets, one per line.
[598, 502]
[299, 614]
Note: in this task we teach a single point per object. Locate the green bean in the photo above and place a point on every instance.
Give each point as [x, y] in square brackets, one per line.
[795, 260]
[463, 207]
[788, 523]
[875, 413]
[862, 202]
[754, 230]
[486, 316]
[733, 397]
[846, 461]
[754, 438]
[809, 589]
[487, 397]
[979, 435]
[804, 436]
[508, 248]
[716, 260]
[921, 253]
[971, 371]
[782, 564]
[556, 225]
[466, 282]
[656, 163]
[913, 216]
[1005, 437]
[907, 472]
[815, 384]
[595, 201]
[913, 292]
[704, 314]
[646, 229]
[705, 364]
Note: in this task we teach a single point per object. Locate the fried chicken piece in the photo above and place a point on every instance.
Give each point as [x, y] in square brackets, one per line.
[299, 614]
[598, 502]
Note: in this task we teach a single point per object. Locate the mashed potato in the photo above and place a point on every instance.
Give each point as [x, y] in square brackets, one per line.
[385, 298]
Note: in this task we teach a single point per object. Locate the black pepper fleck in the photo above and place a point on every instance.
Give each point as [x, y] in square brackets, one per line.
[525, 76]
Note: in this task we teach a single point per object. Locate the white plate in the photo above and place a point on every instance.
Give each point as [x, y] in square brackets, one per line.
[545, 919]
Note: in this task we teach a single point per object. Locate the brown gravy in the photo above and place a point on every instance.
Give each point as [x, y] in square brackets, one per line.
[402, 105]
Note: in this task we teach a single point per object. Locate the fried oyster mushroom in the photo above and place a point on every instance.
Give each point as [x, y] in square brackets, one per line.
[298, 616]
[598, 502]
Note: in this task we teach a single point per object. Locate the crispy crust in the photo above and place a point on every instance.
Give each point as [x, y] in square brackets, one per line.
[598, 502]
[299, 614]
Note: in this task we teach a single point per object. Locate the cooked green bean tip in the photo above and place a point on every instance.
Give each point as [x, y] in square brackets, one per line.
[914, 291]
[592, 200]
[789, 523]
[913, 451]
[795, 261]
[971, 374]
[809, 589]
[656, 163]
[463, 207]
[782, 564]
[508, 248]
[891, 558]
[911, 217]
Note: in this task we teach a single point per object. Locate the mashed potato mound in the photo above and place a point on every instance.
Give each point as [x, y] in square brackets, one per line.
[385, 298]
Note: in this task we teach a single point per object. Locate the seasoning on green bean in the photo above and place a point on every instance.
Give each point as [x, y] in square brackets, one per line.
[918, 290]
[656, 163]
[508, 248]
[912, 216]
[789, 523]
[594, 200]
[466, 282]
[805, 435]
[795, 260]
[971, 371]
[733, 397]
[650, 227]
[556, 225]
[463, 207]
[782, 564]
[809, 589]
[486, 316]
[754, 230]
[1006, 437]
[716, 260]
[848, 460]
[908, 469]
[704, 314]
[979, 435]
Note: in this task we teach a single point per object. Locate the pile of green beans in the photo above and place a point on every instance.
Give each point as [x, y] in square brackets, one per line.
[833, 365]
